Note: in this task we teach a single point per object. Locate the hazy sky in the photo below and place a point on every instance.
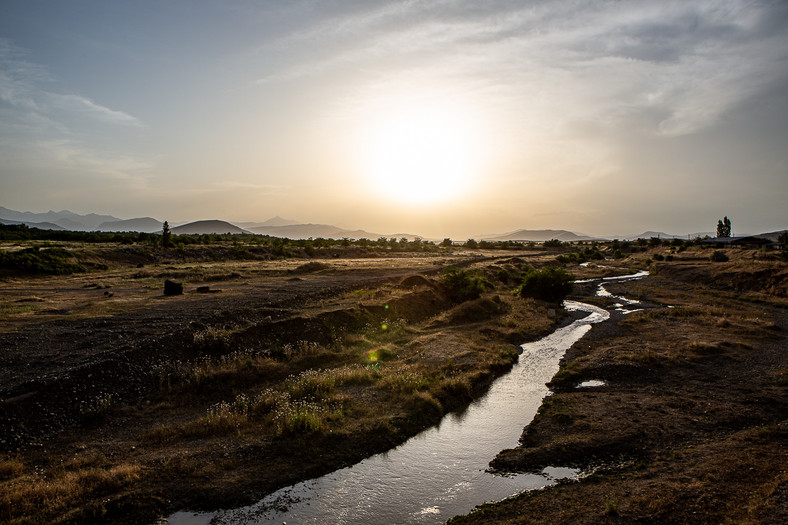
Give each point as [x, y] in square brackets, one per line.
[441, 118]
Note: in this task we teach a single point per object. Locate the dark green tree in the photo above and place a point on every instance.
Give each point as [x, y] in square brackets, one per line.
[166, 236]
[548, 284]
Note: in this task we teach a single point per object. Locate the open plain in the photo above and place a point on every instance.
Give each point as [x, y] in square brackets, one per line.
[120, 404]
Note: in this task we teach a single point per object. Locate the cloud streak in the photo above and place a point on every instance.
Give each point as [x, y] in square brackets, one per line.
[23, 87]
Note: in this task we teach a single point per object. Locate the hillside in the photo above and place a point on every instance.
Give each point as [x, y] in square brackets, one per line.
[207, 227]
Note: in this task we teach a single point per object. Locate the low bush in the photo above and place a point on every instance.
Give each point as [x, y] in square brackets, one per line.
[718, 256]
[549, 284]
[462, 285]
[587, 254]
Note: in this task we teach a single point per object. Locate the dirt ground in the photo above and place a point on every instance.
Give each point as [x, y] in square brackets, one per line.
[690, 425]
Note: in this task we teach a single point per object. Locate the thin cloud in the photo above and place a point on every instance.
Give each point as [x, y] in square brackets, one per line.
[690, 62]
[77, 103]
[71, 155]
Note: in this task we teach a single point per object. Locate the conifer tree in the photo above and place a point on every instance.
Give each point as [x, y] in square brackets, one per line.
[166, 236]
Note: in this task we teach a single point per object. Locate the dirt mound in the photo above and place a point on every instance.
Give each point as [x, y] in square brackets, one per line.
[312, 267]
[417, 306]
[415, 281]
[481, 309]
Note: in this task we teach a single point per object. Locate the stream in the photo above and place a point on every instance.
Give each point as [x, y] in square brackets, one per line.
[442, 471]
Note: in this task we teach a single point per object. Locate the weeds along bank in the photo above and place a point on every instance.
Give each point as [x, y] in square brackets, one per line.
[228, 408]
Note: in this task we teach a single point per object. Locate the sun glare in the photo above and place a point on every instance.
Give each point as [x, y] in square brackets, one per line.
[420, 155]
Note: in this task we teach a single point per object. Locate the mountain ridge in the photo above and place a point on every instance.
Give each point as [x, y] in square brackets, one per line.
[541, 236]
[141, 224]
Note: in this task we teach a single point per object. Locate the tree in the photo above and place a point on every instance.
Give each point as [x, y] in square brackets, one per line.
[447, 243]
[166, 236]
[783, 239]
[724, 227]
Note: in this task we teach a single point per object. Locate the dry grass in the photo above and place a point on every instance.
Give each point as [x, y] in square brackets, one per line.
[38, 498]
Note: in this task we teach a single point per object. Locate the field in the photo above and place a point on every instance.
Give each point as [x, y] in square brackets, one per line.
[122, 404]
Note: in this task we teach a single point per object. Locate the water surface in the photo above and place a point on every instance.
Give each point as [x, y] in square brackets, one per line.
[438, 473]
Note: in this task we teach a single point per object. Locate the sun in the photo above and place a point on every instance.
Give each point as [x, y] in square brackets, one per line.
[420, 155]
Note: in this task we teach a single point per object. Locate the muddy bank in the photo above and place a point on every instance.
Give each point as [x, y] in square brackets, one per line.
[689, 426]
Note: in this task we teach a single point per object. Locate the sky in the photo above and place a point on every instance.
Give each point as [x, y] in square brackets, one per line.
[438, 118]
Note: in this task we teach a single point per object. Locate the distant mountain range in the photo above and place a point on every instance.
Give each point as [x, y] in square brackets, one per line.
[305, 231]
[275, 226]
[279, 227]
[272, 222]
[66, 220]
[540, 236]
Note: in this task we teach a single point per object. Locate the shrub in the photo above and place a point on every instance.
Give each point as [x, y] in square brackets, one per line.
[461, 285]
[718, 256]
[549, 284]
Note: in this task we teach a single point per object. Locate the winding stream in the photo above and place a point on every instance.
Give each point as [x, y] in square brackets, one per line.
[440, 472]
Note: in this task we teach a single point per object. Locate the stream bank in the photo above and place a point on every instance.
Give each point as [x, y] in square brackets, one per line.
[689, 426]
[442, 471]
